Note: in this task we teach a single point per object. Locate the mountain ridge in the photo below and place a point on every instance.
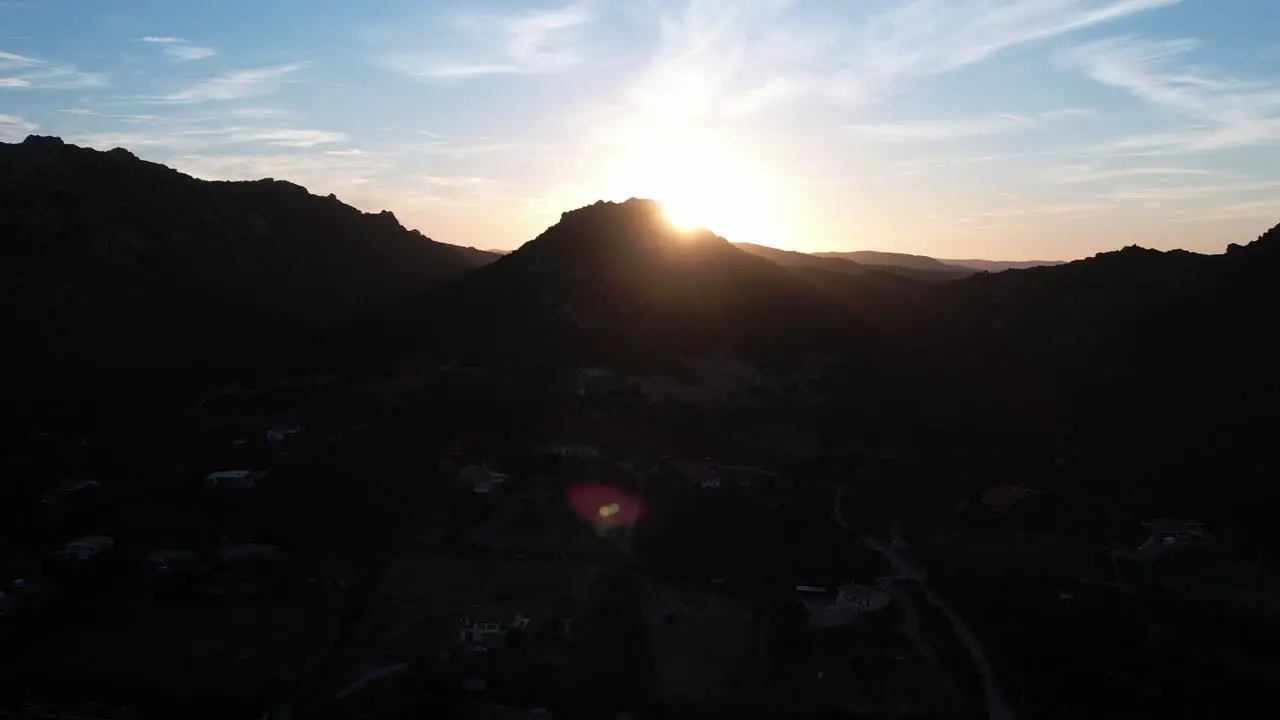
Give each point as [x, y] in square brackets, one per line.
[121, 266]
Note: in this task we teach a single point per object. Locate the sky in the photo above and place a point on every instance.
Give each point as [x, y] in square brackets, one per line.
[1002, 129]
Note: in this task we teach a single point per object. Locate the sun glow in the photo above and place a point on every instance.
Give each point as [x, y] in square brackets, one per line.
[700, 181]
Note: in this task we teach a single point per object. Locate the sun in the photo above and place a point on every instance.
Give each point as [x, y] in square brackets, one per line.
[701, 181]
[684, 217]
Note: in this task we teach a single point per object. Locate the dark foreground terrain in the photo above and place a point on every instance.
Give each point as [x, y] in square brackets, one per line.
[623, 469]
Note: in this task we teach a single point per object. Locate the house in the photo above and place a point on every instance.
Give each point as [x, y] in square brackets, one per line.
[862, 598]
[594, 380]
[481, 478]
[245, 570]
[250, 552]
[88, 547]
[510, 712]
[747, 476]
[1001, 499]
[171, 562]
[703, 475]
[277, 434]
[488, 627]
[572, 450]
[234, 480]
[79, 484]
[1166, 535]
[840, 607]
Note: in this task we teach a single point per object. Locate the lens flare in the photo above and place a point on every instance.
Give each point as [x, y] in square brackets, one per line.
[604, 505]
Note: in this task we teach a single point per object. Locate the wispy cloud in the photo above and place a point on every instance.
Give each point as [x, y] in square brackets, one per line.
[1266, 209]
[190, 52]
[22, 71]
[465, 149]
[128, 140]
[1064, 113]
[260, 113]
[934, 130]
[915, 167]
[205, 135]
[720, 58]
[284, 137]
[953, 129]
[1051, 210]
[179, 48]
[1217, 111]
[526, 43]
[320, 173]
[86, 112]
[233, 86]
[14, 128]
[1193, 192]
[448, 181]
[923, 38]
[1094, 173]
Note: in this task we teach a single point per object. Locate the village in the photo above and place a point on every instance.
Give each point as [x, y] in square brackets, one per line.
[307, 549]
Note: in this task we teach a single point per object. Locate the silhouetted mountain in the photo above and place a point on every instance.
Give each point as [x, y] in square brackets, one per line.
[1000, 265]
[942, 268]
[1156, 361]
[114, 264]
[117, 268]
[833, 262]
[617, 279]
[879, 293]
[791, 258]
[874, 257]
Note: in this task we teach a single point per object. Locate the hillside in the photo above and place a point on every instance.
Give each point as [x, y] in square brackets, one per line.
[919, 265]
[1129, 354]
[616, 279]
[128, 275]
[940, 268]
[115, 265]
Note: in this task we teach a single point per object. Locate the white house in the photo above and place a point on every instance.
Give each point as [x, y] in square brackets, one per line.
[481, 478]
[79, 484]
[488, 627]
[572, 450]
[827, 609]
[166, 562]
[704, 475]
[250, 552]
[862, 598]
[233, 479]
[277, 434]
[88, 547]
[1165, 535]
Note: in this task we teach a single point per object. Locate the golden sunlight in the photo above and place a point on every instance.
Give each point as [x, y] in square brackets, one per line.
[700, 182]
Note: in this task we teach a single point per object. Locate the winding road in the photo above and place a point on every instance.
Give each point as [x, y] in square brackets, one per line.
[997, 708]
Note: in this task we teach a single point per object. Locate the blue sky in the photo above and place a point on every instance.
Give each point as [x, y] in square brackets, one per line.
[1012, 129]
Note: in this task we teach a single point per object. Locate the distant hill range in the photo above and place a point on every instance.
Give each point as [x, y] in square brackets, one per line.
[919, 267]
[915, 267]
[128, 276]
[944, 268]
